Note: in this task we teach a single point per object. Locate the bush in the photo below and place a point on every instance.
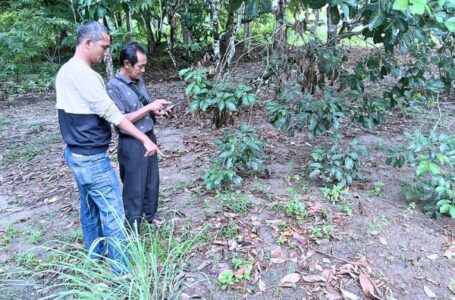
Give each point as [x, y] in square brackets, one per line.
[220, 99]
[433, 159]
[292, 111]
[338, 164]
[240, 153]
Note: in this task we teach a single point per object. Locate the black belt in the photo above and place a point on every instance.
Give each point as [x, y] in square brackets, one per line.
[124, 135]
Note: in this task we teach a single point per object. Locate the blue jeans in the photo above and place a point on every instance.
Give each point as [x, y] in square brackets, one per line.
[102, 214]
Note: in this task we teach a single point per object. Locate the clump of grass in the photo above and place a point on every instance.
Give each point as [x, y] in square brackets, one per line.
[155, 260]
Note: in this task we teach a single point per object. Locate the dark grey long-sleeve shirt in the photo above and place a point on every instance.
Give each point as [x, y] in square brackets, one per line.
[127, 100]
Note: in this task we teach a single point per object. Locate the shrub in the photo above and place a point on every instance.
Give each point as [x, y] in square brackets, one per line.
[292, 111]
[240, 153]
[337, 163]
[432, 158]
[219, 99]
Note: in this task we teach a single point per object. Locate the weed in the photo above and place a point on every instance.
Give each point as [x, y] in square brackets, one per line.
[10, 234]
[374, 226]
[28, 260]
[229, 231]
[293, 207]
[236, 201]
[175, 189]
[334, 194]
[208, 208]
[20, 153]
[226, 279]
[346, 209]
[35, 236]
[155, 260]
[376, 190]
[321, 232]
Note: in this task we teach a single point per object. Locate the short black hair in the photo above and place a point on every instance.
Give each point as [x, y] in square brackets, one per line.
[129, 52]
[91, 29]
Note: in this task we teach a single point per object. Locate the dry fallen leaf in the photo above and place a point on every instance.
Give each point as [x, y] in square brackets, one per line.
[313, 278]
[262, 286]
[429, 292]
[367, 286]
[276, 252]
[290, 279]
[278, 260]
[432, 256]
[348, 295]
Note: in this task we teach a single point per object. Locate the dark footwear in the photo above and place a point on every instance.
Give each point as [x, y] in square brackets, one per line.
[157, 221]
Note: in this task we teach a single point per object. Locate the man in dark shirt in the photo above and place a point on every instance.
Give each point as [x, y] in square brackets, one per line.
[139, 174]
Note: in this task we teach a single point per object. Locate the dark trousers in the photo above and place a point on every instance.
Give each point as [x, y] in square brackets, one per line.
[140, 179]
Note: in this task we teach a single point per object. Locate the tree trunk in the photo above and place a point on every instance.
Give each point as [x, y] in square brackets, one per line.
[216, 37]
[279, 9]
[229, 29]
[172, 20]
[129, 26]
[316, 23]
[150, 37]
[231, 47]
[247, 38]
[109, 65]
[331, 29]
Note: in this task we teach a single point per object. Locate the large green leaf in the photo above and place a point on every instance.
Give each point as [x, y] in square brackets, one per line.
[401, 5]
[377, 20]
[450, 24]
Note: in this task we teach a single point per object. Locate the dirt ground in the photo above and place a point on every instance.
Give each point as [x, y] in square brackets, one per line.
[385, 245]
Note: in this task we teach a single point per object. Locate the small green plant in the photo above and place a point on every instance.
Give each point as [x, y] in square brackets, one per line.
[10, 234]
[334, 194]
[338, 164]
[226, 279]
[28, 260]
[237, 201]
[243, 269]
[321, 232]
[240, 153]
[229, 231]
[294, 207]
[433, 158]
[35, 236]
[376, 190]
[374, 226]
[221, 99]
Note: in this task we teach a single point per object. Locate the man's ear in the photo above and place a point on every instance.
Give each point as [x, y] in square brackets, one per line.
[127, 64]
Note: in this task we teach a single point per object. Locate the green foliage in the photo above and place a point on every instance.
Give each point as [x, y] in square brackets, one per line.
[226, 279]
[337, 163]
[294, 207]
[321, 232]
[377, 189]
[432, 158]
[376, 225]
[219, 99]
[237, 201]
[11, 233]
[334, 194]
[243, 269]
[241, 153]
[292, 111]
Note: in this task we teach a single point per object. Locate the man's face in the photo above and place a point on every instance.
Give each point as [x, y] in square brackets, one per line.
[99, 48]
[136, 71]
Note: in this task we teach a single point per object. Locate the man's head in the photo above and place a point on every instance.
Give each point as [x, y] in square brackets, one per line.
[133, 58]
[93, 41]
